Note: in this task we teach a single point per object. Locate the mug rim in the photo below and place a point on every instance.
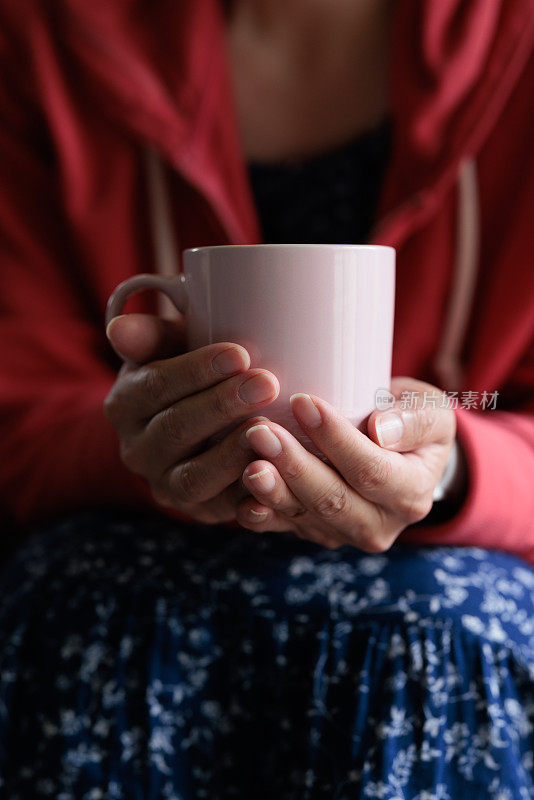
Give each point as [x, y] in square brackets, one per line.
[289, 246]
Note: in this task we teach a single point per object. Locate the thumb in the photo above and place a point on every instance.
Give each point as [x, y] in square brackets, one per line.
[404, 430]
[141, 338]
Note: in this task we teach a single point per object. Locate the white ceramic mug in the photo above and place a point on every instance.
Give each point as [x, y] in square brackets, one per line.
[320, 317]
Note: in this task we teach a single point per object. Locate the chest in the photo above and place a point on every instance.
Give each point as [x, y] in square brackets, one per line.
[300, 95]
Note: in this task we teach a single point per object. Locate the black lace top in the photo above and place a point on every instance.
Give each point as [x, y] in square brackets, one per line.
[327, 199]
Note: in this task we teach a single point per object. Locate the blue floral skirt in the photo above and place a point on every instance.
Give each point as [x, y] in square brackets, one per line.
[143, 659]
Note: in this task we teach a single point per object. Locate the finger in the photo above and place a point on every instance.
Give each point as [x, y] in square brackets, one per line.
[204, 476]
[261, 519]
[140, 338]
[218, 510]
[141, 393]
[376, 474]
[162, 383]
[265, 483]
[321, 537]
[321, 490]
[177, 431]
[406, 430]
[411, 394]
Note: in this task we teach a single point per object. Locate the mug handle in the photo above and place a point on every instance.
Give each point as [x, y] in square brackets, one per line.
[173, 287]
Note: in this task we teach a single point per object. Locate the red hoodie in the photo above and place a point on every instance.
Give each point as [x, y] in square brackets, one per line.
[87, 89]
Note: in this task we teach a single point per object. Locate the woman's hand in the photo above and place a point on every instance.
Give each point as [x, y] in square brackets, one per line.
[375, 487]
[165, 409]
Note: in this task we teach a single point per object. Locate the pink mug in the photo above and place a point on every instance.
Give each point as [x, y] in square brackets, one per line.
[320, 317]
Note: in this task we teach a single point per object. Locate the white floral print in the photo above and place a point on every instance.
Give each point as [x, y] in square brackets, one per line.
[141, 659]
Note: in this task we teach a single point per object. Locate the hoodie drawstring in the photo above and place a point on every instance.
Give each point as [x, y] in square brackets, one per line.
[447, 364]
[163, 231]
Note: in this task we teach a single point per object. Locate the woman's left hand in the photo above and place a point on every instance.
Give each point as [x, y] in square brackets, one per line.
[375, 487]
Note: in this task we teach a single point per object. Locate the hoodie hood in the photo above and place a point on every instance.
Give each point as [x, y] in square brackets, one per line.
[159, 70]
[168, 82]
[448, 92]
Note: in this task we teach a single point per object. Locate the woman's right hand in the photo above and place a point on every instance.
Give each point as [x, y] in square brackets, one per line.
[165, 406]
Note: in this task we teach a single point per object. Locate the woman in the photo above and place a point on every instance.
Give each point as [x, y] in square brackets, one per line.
[151, 647]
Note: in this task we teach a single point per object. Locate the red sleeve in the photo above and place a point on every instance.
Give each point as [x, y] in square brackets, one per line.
[59, 454]
[498, 512]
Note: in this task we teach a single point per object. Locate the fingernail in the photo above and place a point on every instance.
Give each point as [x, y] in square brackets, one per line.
[264, 480]
[264, 441]
[255, 516]
[257, 389]
[231, 360]
[243, 441]
[389, 429]
[305, 410]
[112, 322]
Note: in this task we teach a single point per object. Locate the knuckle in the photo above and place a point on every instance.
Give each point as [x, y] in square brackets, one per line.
[374, 543]
[373, 474]
[184, 483]
[154, 382]
[221, 406]
[425, 424]
[172, 426]
[112, 407]
[192, 371]
[161, 496]
[332, 502]
[232, 457]
[332, 544]
[415, 509]
[296, 469]
[293, 512]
